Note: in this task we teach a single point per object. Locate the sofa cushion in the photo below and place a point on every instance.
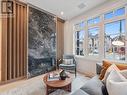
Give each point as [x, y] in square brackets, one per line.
[107, 64]
[124, 73]
[116, 83]
[33, 86]
[93, 86]
[112, 67]
[15, 91]
[104, 90]
[68, 61]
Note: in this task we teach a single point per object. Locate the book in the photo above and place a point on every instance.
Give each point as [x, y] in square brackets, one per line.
[53, 77]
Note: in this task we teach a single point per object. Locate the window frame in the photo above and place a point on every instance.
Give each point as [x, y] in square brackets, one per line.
[115, 46]
[75, 44]
[100, 25]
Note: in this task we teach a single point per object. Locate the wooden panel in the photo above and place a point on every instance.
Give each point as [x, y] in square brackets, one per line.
[4, 50]
[60, 38]
[21, 42]
[17, 28]
[25, 39]
[9, 49]
[14, 44]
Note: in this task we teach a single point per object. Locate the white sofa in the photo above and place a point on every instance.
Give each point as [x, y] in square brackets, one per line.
[33, 86]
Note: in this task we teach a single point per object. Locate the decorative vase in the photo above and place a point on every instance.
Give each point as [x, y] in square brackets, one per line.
[63, 75]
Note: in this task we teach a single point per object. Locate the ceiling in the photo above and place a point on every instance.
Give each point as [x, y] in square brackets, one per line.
[70, 8]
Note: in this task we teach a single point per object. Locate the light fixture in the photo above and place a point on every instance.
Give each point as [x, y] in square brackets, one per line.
[119, 41]
[61, 12]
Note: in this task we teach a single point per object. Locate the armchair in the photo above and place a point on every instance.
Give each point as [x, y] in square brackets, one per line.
[68, 63]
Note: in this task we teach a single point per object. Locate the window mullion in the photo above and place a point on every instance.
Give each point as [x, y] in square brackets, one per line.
[126, 34]
[101, 38]
[86, 39]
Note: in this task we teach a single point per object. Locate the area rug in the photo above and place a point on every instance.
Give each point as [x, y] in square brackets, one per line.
[77, 83]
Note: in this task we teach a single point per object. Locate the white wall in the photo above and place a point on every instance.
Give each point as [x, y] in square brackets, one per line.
[86, 65]
[0, 45]
[68, 38]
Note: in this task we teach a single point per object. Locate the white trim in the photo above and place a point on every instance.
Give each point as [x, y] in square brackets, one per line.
[126, 34]
[100, 25]
[115, 19]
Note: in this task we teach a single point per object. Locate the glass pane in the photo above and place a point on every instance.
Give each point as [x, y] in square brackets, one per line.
[81, 51]
[114, 27]
[108, 15]
[81, 35]
[90, 21]
[112, 31]
[79, 42]
[96, 20]
[82, 25]
[93, 41]
[120, 11]
[77, 51]
[77, 35]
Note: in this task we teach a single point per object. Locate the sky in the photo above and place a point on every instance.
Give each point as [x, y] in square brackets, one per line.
[112, 29]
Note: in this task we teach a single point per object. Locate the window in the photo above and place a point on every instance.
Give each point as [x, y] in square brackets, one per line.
[82, 25]
[112, 31]
[79, 35]
[94, 21]
[108, 15]
[115, 13]
[120, 12]
[93, 41]
[79, 42]
[90, 21]
[99, 37]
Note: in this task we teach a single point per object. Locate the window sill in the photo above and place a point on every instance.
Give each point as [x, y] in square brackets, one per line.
[93, 58]
[116, 61]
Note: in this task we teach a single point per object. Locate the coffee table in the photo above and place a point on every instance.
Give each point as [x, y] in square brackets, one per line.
[57, 84]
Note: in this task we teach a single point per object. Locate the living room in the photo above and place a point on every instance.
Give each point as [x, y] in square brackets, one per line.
[75, 47]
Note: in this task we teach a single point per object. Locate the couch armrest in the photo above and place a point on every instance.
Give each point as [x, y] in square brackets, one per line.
[98, 68]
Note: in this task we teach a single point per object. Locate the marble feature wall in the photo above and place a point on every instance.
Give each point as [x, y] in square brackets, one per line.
[42, 42]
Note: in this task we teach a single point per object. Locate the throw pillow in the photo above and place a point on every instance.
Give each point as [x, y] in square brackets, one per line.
[124, 73]
[116, 83]
[93, 86]
[121, 66]
[107, 64]
[68, 61]
[112, 67]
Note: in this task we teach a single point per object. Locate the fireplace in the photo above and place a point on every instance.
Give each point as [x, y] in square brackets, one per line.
[42, 42]
[41, 65]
